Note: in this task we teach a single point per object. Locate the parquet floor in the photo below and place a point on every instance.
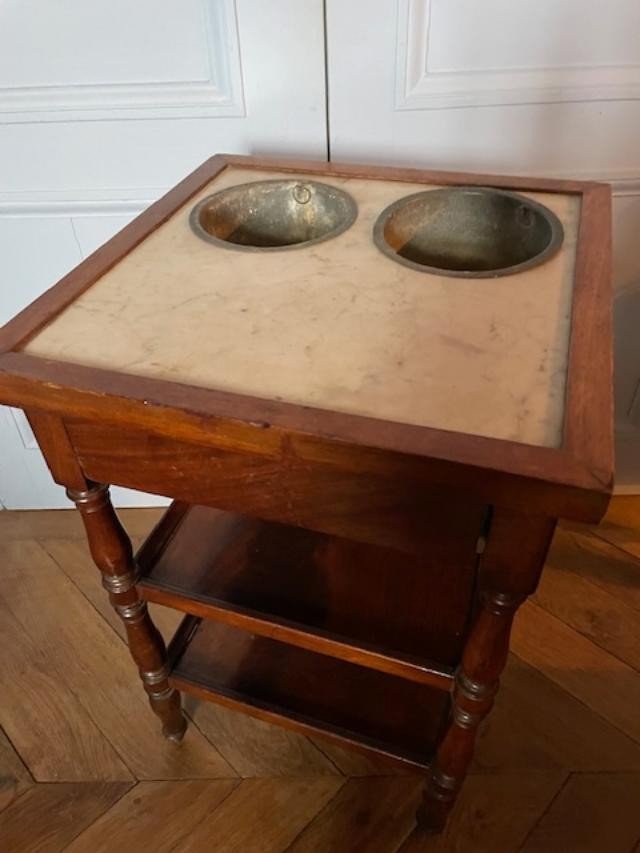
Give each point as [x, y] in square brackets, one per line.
[83, 767]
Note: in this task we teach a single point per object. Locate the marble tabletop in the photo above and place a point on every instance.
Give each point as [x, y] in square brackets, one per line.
[336, 325]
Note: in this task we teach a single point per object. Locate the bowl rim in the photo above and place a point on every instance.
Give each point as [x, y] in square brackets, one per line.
[349, 203]
[555, 242]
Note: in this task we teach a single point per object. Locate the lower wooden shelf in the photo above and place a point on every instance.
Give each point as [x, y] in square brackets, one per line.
[309, 692]
[324, 635]
[391, 611]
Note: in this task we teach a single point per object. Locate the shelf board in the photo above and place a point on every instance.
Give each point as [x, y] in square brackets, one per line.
[308, 692]
[344, 599]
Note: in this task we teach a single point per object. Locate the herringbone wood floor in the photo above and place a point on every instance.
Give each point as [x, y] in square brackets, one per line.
[84, 768]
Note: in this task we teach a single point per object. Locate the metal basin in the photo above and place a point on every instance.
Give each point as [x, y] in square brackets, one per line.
[468, 232]
[273, 215]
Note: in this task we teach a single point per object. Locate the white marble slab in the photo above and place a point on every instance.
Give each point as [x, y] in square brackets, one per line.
[336, 325]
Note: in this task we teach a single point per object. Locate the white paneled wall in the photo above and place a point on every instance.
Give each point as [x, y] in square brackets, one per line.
[465, 53]
[142, 60]
[106, 105]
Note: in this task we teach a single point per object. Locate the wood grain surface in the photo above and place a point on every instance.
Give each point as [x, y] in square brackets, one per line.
[84, 768]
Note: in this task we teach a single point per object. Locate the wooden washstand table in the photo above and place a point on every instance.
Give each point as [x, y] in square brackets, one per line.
[367, 460]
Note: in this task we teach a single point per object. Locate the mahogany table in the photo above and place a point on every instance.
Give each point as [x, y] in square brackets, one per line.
[367, 459]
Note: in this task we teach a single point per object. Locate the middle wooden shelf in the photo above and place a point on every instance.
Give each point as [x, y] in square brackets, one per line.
[344, 599]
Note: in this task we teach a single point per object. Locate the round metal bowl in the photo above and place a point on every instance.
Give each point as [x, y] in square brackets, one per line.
[470, 232]
[273, 215]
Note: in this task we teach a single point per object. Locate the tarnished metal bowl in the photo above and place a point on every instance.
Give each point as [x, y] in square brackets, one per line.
[273, 215]
[470, 232]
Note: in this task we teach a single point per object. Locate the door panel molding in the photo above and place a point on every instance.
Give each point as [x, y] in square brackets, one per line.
[420, 86]
[47, 203]
[218, 95]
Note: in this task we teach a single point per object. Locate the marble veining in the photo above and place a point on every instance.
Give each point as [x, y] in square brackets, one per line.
[336, 325]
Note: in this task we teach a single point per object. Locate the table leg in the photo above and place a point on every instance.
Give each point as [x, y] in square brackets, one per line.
[475, 687]
[509, 571]
[112, 553]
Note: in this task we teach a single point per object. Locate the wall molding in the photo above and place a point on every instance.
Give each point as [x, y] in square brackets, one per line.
[130, 200]
[622, 184]
[418, 87]
[220, 96]
[625, 187]
[70, 203]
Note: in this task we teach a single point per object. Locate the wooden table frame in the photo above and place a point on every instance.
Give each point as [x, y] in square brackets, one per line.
[244, 453]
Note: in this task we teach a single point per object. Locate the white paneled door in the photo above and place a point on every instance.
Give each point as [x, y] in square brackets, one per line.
[534, 87]
[106, 105]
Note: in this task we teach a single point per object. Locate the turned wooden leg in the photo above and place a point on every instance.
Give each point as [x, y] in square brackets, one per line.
[112, 553]
[509, 571]
[475, 687]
